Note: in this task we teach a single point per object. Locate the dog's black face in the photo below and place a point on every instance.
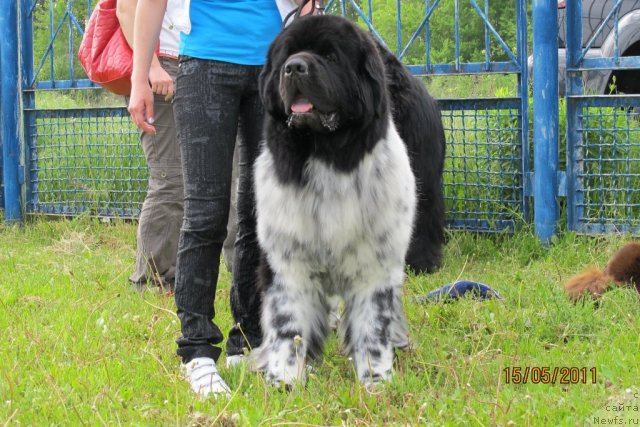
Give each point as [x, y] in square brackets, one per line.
[324, 92]
[323, 74]
[313, 108]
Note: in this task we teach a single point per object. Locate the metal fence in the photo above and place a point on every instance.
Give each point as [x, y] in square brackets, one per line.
[85, 160]
[80, 159]
[487, 159]
[603, 131]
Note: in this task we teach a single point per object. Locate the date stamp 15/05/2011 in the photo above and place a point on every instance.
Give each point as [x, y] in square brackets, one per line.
[549, 375]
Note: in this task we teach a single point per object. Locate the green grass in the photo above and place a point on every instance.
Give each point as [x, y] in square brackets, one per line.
[80, 347]
[474, 86]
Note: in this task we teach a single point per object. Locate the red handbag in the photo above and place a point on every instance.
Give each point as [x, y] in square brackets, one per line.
[104, 52]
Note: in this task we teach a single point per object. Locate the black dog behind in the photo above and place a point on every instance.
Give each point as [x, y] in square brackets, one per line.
[418, 120]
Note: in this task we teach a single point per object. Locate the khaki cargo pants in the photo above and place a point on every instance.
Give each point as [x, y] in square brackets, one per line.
[161, 215]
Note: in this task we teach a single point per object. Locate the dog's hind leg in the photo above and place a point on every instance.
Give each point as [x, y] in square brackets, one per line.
[371, 330]
[295, 325]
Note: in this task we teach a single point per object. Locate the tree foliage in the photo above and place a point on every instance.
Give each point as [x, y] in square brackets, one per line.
[48, 14]
[442, 28]
[56, 38]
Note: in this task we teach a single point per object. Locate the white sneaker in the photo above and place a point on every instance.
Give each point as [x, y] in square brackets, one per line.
[204, 378]
[235, 360]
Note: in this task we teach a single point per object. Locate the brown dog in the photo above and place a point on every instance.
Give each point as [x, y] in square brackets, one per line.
[622, 269]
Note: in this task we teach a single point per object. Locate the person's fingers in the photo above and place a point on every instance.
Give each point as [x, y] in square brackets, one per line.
[148, 119]
[169, 96]
[136, 115]
[162, 87]
[142, 114]
[171, 91]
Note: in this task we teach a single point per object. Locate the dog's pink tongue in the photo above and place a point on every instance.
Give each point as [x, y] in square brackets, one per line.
[301, 106]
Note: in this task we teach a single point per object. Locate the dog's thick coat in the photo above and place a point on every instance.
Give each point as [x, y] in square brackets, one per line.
[336, 199]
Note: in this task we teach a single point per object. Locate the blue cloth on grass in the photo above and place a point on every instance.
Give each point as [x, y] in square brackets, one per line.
[456, 290]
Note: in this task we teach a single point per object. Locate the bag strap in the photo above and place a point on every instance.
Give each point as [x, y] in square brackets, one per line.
[316, 5]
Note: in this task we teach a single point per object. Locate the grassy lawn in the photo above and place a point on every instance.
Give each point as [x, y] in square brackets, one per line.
[80, 347]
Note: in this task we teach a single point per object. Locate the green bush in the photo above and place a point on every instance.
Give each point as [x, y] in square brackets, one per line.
[58, 57]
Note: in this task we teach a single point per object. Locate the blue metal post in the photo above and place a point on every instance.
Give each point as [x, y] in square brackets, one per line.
[523, 93]
[1, 156]
[545, 119]
[10, 110]
[28, 96]
[573, 89]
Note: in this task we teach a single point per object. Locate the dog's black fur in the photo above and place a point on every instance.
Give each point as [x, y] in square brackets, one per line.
[417, 118]
[415, 114]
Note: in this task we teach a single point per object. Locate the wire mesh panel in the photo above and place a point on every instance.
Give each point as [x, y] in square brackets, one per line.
[607, 170]
[603, 118]
[85, 160]
[484, 176]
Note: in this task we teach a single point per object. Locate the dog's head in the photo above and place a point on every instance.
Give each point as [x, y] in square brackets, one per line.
[323, 73]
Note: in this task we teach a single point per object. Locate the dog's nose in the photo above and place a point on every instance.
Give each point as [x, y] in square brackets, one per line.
[296, 65]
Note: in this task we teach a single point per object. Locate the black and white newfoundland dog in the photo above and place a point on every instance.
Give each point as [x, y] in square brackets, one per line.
[351, 167]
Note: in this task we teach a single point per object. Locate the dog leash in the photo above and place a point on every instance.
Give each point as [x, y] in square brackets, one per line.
[316, 6]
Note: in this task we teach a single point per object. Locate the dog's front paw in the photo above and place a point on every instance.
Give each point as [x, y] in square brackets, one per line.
[284, 385]
[285, 363]
[284, 376]
[372, 379]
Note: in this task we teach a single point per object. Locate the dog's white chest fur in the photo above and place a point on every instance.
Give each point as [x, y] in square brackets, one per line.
[340, 231]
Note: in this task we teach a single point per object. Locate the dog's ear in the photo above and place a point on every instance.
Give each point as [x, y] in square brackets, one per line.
[263, 85]
[375, 72]
[269, 80]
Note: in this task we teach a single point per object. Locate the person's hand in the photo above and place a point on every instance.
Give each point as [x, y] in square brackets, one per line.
[141, 105]
[161, 82]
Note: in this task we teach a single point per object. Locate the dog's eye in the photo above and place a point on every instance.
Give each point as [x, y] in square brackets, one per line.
[331, 57]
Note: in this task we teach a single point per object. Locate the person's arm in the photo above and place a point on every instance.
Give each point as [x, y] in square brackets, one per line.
[288, 8]
[126, 13]
[161, 82]
[306, 9]
[146, 30]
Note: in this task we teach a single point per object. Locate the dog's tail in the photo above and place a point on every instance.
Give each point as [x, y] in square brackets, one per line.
[592, 281]
[622, 269]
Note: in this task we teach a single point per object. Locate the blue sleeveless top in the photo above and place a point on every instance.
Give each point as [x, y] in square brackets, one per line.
[236, 31]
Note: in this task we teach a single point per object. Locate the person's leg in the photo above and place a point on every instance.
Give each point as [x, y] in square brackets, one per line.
[161, 214]
[246, 300]
[206, 107]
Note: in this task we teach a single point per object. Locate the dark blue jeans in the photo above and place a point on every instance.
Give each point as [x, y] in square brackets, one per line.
[215, 103]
